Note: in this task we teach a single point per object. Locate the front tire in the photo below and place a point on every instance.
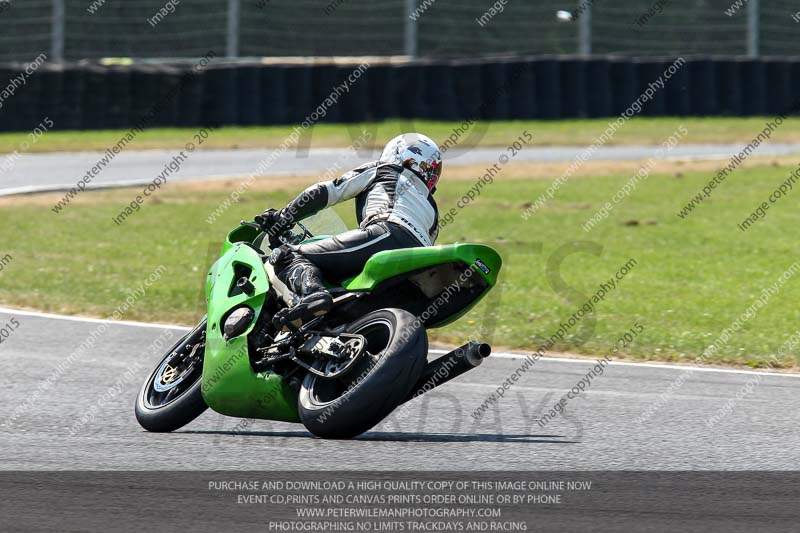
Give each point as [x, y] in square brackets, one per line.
[171, 396]
[397, 351]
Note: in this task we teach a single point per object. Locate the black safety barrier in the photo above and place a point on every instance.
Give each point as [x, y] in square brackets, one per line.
[409, 91]
[220, 96]
[11, 112]
[145, 84]
[778, 85]
[95, 99]
[354, 104]
[547, 84]
[380, 95]
[754, 95]
[248, 96]
[440, 91]
[496, 90]
[297, 93]
[728, 94]
[50, 97]
[623, 86]
[96, 96]
[678, 96]
[468, 90]
[599, 96]
[325, 81]
[274, 106]
[573, 85]
[522, 92]
[118, 106]
[795, 67]
[27, 100]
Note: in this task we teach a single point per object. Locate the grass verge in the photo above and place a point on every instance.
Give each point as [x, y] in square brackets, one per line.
[580, 132]
[692, 278]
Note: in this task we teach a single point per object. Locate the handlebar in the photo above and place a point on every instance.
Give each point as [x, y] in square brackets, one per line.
[287, 237]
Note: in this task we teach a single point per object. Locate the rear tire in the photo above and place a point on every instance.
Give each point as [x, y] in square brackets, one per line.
[180, 403]
[347, 407]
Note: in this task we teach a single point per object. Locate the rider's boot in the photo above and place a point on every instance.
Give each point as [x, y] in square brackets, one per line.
[306, 309]
[304, 279]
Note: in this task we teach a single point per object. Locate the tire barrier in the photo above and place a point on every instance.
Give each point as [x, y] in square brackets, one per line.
[623, 85]
[274, 108]
[248, 93]
[468, 89]
[573, 88]
[117, 114]
[599, 96]
[778, 85]
[754, 92]
[522, 92]
[547, 84]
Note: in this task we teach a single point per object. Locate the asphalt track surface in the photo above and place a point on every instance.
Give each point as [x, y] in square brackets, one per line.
[41, 427]
[60, 171]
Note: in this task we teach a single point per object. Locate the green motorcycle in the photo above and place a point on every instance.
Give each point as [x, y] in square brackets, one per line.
[339, 374]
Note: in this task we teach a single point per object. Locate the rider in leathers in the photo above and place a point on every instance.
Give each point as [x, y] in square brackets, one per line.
[395, 209]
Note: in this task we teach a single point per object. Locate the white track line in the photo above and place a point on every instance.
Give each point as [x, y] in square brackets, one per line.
[588, 361]
[499, 355]
[88, 320]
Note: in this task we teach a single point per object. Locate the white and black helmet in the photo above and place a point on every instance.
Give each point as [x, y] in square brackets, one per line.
[418, 153]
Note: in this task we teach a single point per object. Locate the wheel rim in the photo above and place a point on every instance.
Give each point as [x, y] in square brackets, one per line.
[378, 335]
[178, 372]
[173, 371]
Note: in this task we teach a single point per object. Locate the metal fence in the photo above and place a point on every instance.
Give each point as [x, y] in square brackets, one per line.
[93, 29]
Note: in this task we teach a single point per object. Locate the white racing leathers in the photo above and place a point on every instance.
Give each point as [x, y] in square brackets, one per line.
[391, 193]
[394, 209]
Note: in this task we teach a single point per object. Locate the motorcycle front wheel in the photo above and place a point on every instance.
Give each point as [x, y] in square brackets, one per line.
[171, 396]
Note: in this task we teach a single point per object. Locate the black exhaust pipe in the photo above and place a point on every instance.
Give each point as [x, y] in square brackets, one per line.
[450, 366]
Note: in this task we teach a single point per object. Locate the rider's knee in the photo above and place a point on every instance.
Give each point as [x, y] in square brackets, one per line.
[281, 258]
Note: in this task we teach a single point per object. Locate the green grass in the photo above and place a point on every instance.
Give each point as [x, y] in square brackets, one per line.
[693, 277]
[546, 133]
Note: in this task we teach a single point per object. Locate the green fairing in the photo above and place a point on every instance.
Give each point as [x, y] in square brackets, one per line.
[385, 265]
[230, 386]
[239, 235]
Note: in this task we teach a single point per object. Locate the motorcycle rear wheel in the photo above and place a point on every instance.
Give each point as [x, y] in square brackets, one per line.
[397, 351]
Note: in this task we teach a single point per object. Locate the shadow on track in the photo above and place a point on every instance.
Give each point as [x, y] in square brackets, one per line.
[380, 436]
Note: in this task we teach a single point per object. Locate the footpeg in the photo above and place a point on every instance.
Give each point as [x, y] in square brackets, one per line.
[308, 308]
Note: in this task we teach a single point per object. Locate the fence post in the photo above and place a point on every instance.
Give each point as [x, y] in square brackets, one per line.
[753, 28]
[585, 31]
[232, 46]
[57, 32]
[410, 29]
